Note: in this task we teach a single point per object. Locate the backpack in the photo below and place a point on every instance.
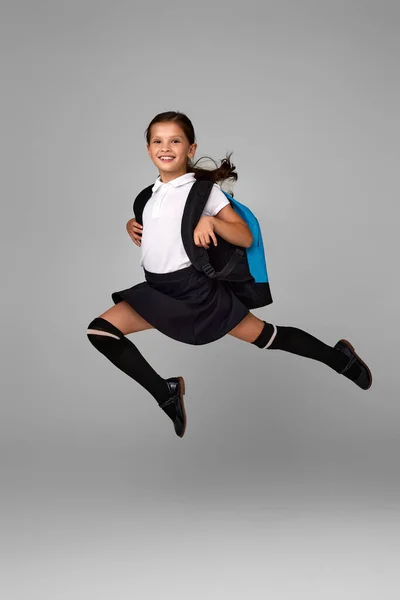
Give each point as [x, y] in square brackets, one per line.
[243, 270]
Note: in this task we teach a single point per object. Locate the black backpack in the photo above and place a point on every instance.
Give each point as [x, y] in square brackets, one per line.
[244, 270]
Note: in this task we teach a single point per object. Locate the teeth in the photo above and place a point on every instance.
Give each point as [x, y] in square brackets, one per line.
[166, 158]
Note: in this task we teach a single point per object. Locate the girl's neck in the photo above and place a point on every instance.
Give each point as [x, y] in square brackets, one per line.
[167, 177]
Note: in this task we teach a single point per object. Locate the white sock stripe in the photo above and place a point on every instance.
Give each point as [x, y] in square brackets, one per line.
[272, 337]
[100, 332]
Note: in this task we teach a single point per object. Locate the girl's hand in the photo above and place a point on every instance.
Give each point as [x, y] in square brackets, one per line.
[135, 231]
[204, 231]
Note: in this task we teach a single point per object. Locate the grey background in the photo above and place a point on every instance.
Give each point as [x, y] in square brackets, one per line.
[286, 484]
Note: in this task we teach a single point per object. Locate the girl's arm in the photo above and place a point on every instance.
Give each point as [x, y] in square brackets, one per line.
[230, 226]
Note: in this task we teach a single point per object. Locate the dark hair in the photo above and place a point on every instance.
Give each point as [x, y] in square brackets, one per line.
[224, 171]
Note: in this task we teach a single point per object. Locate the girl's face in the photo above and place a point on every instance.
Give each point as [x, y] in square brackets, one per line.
[167, 139]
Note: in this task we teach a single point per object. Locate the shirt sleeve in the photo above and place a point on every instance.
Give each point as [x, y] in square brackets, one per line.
[216, 201]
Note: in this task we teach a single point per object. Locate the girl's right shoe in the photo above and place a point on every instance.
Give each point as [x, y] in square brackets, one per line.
[176, 387]
[364, 379]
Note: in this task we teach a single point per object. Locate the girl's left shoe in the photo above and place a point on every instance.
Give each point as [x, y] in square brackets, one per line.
[176, 386]
[364, 379]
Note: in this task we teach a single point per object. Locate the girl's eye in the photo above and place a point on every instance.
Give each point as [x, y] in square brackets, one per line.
[157, 141]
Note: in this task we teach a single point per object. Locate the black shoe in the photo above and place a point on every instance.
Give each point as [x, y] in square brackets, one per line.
[364, 379]
[176, 386]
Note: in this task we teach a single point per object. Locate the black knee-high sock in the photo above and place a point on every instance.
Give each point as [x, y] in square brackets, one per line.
[297, 341]
[124, 355]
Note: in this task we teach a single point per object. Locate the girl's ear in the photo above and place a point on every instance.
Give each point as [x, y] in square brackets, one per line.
[193, 149]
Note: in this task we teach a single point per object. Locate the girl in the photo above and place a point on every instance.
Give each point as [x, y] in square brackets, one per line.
[180, 301]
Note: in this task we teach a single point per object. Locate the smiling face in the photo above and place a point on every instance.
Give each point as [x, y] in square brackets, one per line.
[168, 140]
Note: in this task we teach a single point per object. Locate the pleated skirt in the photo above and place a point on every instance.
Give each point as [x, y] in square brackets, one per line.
[185, 305]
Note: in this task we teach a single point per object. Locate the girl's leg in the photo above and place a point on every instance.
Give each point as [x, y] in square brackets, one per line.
[107, 334]
[291, 339]
[123, 316]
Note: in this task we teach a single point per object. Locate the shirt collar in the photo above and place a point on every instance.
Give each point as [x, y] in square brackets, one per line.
[185, 178]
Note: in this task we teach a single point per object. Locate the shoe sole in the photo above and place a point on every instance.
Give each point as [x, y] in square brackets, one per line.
[361, 361]
[182, 393]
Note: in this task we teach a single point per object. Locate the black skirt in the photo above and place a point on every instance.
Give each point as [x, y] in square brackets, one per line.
[185, 305]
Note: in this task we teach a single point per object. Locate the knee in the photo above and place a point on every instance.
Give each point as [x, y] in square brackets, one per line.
[99, 327]
[267, 336]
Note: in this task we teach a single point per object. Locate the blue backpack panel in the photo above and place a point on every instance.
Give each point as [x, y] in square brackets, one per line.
[256, 253]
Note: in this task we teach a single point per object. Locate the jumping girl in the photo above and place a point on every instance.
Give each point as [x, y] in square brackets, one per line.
[182, 302]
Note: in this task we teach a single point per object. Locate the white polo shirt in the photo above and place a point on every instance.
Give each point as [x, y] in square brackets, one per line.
[162, 250]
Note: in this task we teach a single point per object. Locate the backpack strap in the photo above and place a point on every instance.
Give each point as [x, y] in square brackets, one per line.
[195, 203]
[140, 202]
